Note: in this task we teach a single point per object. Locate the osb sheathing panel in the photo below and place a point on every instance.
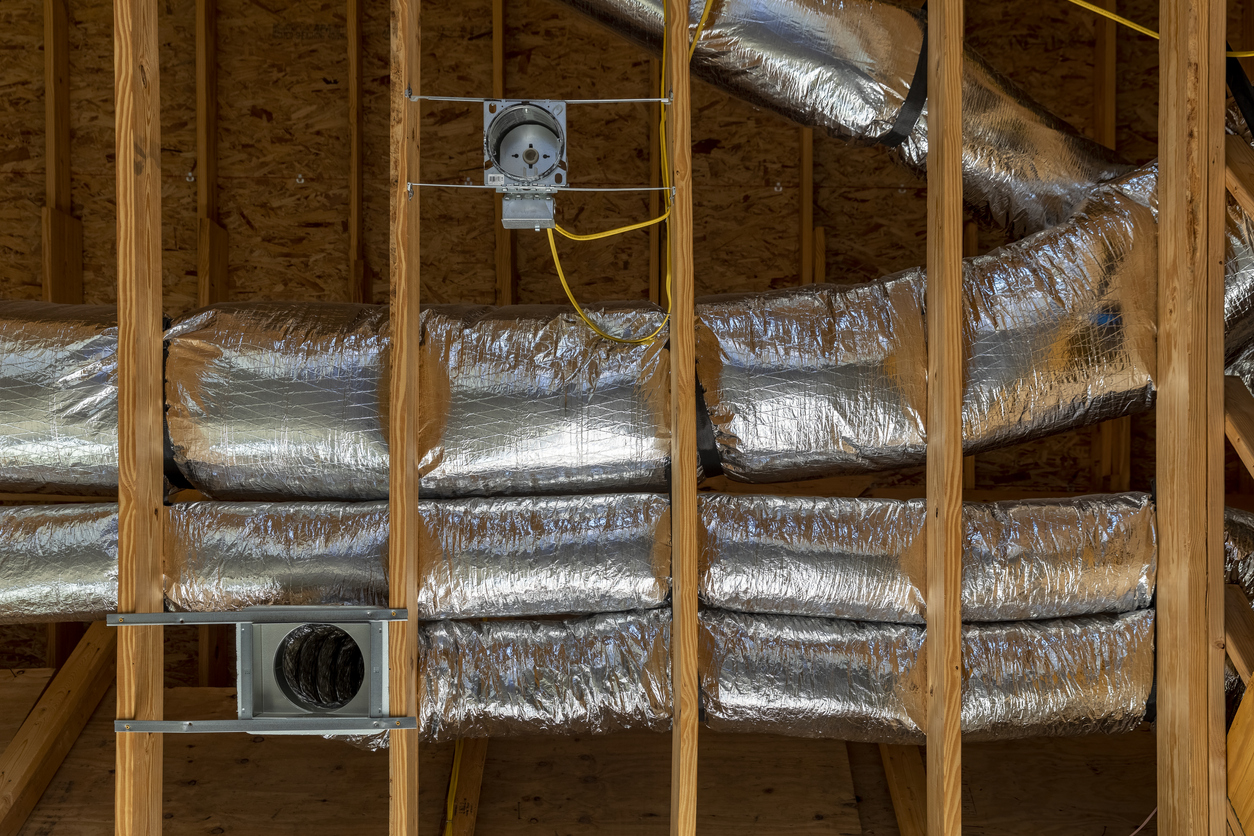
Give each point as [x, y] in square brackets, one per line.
[21, 146]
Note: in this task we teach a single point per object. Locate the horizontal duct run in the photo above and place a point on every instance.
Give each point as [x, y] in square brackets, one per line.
[858, 559]
[847, 67]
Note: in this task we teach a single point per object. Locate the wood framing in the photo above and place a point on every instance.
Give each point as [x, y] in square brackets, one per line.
[1239, 419]
[62, 232]
[213, 281]
[907, 784]
[63, 637]
[1239, 631]
[33, 756]
[807, 206]
[361, 288]
[683, 819]
[944, 418]
[140, 413]
[1191, 764]
[403, 543]
[657, 291]
[468, 781]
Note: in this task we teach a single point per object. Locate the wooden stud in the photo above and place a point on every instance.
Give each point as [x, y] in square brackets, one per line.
[137, 99]
[1239, 631]
[403, 545]
[62, 232]
[469, 781]
[1239, 419]
[1189, 419]
[33, 756]
[807, 206]
[361, 289]
[1240, 765]
[1104, 78]
[907, 784]
[1239, 172]
[215, 669]
[212, 243]
[944, 417]
[683, 432]
[63, 637]
[506, 278]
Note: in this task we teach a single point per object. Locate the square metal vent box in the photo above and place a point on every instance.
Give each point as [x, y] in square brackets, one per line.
[524, 157]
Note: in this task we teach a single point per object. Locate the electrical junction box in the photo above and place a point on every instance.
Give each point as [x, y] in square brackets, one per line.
[524, 157]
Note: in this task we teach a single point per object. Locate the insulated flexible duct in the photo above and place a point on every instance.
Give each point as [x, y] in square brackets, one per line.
[277, 400]
[848, 66]
[817, 677]
[481, 558]
[864, 559]
[1059, 331]
[58, 562]
[594, 675]
[58, 398]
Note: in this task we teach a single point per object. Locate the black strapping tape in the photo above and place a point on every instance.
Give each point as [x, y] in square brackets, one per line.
[916, 97]
[1242, 93]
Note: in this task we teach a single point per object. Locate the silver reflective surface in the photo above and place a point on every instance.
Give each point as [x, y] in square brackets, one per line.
[523, 556]
[594, 675]
[223, 556]
[864, 559]
[1239, 549]
[480, 558]
[847, 66]
[817, 677]
[283, 400]
[1059, 331]
[58, 398]
[58, 562]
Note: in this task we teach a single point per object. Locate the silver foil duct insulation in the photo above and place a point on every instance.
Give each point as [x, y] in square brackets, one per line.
[280, 400]
[851, 680]
[58, 398]
[848, 66]
[481, 558]
[594, 675]
[223, 556]
[864, 559]
[1239, 549]
[1059, 331]
[58, 562]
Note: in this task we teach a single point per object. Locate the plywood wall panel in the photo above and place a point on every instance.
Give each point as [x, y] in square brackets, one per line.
[21, 147]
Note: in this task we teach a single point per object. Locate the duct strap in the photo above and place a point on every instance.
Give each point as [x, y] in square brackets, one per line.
[916, 97]
[707, 447]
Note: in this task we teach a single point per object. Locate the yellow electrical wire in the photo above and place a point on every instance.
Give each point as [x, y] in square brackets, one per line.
[1107, 13]
[562, 277]
[705, 15]
[452, 789]
[592, 236]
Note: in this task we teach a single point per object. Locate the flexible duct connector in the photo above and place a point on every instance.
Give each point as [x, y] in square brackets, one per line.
[58, 562]
[480, 558]
[848, 66]
[58, 398]
[278, 400]
[865, 559]
[1058, 330]
[594, 675]
[850, 680]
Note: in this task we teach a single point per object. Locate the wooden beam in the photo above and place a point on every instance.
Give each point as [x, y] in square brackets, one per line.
[506, 279]
[944, 417]
[361, 288]
[1239, 419]
[137, 98]
[404, 449]
[1239, 171]
[907, 784]
[1104, 78]
[468, 779]
[1191, 796]
[63, 637]
[807, 206]
[1240, 763]
[62, 232]
[33, 756]
[212, 251]
[683, 819]
[1239, 631]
